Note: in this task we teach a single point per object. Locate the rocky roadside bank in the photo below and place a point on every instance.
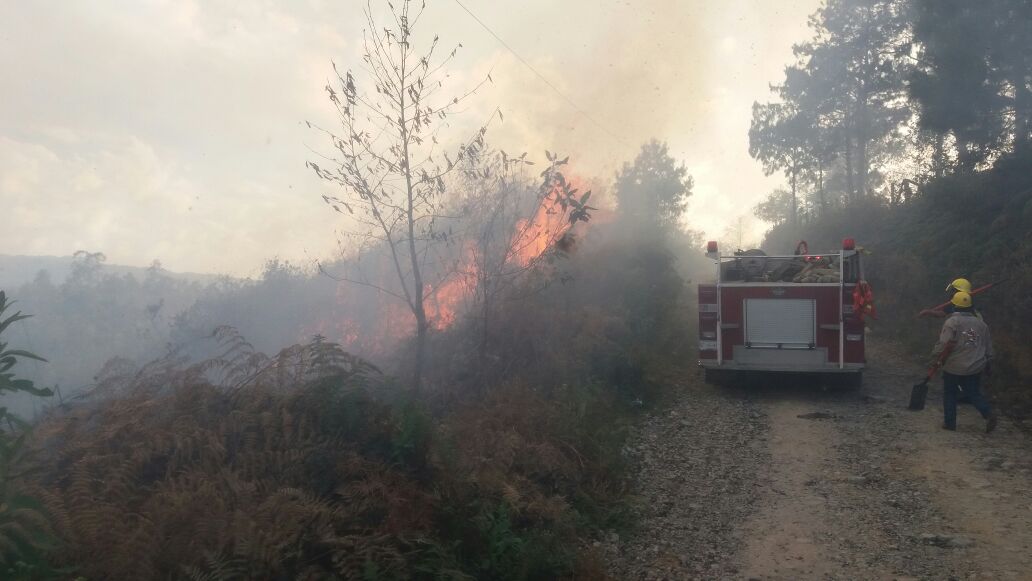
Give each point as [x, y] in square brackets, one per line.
[700, 468]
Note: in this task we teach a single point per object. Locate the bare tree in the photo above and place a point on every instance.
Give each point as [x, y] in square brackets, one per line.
[389, 161]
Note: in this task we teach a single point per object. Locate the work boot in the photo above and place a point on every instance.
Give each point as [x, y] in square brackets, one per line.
[950, 428]
[990, 423]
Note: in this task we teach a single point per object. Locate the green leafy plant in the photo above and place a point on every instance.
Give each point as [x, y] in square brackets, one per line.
[25, 534]
[505, 547]
[8, 358]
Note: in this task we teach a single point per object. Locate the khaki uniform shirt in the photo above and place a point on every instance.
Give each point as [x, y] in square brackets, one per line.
[973, 347]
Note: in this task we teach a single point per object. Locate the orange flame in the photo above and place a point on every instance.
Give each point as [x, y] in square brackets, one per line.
[374, 336]
[444, 303]
[393, 321]
[535, 236]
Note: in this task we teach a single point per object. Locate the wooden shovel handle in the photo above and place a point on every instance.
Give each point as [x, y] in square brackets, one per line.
[941, 360]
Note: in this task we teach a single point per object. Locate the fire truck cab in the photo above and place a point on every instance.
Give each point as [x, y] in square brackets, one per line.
[783, 314]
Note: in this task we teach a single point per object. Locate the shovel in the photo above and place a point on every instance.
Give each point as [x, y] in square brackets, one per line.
[919, 393]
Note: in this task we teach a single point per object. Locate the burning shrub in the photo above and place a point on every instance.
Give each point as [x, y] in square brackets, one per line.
[611, 315]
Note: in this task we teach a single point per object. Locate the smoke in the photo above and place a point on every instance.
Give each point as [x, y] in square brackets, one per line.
[212, 98]
[683, 72]
[163, 171]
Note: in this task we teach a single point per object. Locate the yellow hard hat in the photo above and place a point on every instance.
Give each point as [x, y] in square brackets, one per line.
[962, 300]
[961, 284]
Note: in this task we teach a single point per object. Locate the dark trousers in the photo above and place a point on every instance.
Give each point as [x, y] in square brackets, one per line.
[951, 384]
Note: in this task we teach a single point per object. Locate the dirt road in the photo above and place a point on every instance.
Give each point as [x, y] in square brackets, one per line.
[790, 482]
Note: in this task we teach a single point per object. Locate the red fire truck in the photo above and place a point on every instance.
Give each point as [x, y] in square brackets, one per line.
[784, 314]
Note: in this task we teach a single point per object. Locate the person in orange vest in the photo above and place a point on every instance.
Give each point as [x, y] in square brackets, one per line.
[958, 285]
[965, 352]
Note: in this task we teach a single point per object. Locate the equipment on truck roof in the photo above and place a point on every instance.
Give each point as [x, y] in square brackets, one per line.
[756, 266]
[753, 262]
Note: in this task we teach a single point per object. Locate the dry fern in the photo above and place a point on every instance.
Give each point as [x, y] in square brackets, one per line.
[249, 467]
[230, 469]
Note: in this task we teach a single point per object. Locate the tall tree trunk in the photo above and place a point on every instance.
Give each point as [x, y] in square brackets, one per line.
[1022, 120]
[861, 130]
[966, 158]
[485, 328]
[795, 205]
[422, 329]
[861, 164]
[862, 124]
[850, 178]
[820, 187]
[939, 155]
[418, 300]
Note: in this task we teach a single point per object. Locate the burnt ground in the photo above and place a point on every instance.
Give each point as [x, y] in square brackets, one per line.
[794, 482]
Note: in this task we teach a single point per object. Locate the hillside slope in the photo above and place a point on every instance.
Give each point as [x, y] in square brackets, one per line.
[976, 225]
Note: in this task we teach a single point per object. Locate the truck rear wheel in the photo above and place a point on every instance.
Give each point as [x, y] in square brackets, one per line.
[848, 381]
[710, 376]
[720, 377]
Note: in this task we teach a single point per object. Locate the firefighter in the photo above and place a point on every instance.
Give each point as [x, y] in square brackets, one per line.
[958, 285]
[968, 351]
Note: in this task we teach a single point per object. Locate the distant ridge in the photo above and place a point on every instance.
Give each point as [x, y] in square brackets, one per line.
[16, 270]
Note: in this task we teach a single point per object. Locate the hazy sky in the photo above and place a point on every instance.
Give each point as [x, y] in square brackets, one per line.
[174, 129]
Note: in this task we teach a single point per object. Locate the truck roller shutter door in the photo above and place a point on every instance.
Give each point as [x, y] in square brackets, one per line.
[788, 323]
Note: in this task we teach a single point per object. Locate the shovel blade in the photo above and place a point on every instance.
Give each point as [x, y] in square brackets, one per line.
[918, 395]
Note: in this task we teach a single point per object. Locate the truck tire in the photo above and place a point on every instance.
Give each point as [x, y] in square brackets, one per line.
[841, 381]
[719, 377]
[849, 381]
[711, 376]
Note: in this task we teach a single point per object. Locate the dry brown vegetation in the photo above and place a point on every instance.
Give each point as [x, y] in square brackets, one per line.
[313, 464]
[498, 455]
